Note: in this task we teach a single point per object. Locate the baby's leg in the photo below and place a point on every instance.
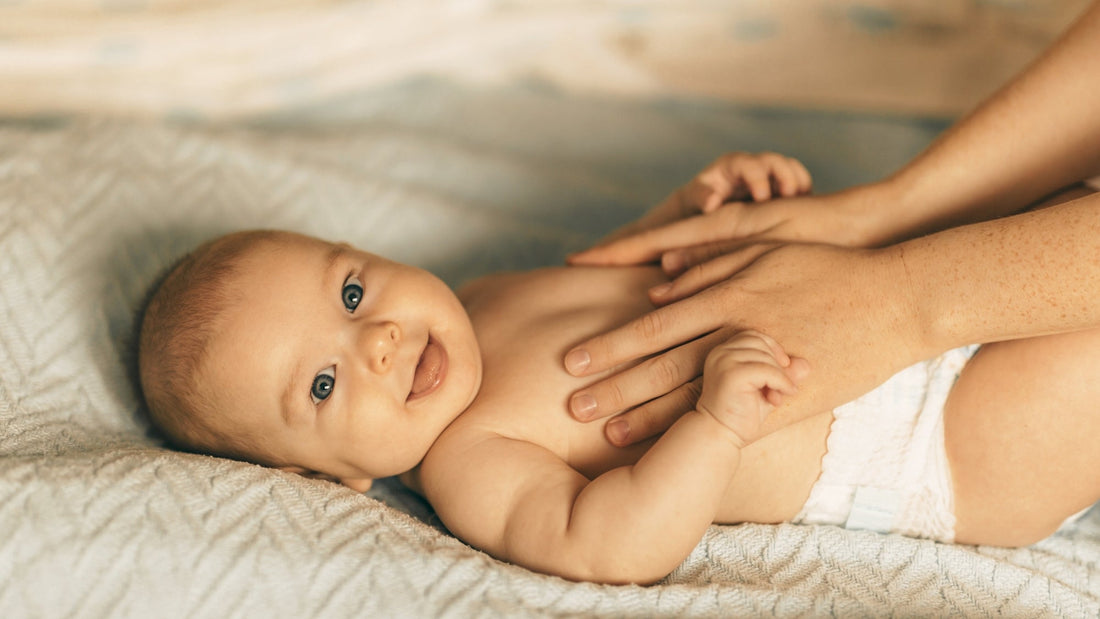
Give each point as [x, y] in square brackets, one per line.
[1021, 427]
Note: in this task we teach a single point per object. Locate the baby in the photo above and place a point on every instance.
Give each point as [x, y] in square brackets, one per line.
[324, 360]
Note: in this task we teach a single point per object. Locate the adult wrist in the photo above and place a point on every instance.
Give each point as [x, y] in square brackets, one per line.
[879, 213]
[928, 322]
[908, 306]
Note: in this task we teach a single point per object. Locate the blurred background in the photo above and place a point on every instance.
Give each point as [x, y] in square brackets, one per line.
[218, 59]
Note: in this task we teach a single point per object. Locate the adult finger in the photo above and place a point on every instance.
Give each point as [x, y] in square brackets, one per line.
[652, 378]
[648, 245]
[653, 417]
[652, 332]
[706, 274]
[675, 262]
[673, 208]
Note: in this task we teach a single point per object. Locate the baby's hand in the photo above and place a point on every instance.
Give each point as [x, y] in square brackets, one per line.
[746, 176]
[731, 177]
[744, 379]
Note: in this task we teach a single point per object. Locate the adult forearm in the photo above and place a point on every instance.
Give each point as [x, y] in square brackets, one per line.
[1030, 274]
[1041, 132]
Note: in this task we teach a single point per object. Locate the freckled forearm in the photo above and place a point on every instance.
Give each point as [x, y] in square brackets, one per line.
[1032, 274]
[1035, 136]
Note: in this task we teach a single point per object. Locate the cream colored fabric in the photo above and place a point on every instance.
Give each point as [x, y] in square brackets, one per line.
[97, 520]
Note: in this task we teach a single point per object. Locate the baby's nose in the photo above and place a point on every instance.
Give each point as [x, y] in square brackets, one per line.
[380, 344]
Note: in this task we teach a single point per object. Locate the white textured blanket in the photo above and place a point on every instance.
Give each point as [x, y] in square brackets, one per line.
[97, 520]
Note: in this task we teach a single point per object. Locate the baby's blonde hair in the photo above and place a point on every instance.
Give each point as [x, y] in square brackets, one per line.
[177, 325]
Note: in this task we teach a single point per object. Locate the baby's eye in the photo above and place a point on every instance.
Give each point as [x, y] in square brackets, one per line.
[323, 384]
[352, 293]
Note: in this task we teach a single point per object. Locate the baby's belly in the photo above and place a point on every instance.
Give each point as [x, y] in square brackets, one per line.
[771, 485]
[777, 473]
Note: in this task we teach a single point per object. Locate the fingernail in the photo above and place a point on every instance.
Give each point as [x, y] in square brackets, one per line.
[581, 405]
[618, 430]
[661, 290]
[672, 262]
[577, 361]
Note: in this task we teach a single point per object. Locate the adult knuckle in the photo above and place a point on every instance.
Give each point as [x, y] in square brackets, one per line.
[649, 326]
[698, 271]
[665, 371]
[648, 415]
[612, 397]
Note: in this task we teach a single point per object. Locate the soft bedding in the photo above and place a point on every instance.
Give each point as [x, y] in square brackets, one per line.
[98, 519]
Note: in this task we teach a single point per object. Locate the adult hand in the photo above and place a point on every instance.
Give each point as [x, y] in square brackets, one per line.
[729, 179]
[686, 237]
[848, 312]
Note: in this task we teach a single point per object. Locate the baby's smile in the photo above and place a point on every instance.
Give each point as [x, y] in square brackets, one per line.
[431, 370]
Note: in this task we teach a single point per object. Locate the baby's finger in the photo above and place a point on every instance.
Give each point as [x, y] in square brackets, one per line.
[798, 369]
[805, 181]
[748, 351]
[710, 189]
[785, 179]
[769, 376]
[756, 178]
[766, 343]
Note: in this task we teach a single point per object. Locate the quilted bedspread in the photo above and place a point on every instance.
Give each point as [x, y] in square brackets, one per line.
[98, 519]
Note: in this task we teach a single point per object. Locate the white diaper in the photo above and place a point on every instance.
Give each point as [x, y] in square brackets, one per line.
[886, 466]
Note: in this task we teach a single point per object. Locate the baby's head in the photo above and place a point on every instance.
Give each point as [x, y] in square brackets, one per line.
[313, 357]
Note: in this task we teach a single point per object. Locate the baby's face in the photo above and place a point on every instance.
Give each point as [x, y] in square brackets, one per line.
[341, 362]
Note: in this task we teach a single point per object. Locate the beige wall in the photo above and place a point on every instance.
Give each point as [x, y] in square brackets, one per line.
[205, 58]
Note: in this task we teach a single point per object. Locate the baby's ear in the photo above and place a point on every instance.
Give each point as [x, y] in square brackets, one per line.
[359, 485]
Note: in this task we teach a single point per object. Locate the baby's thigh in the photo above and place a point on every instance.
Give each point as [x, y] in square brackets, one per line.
[1021, 426]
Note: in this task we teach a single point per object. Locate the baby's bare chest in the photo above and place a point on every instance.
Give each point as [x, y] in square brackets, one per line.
[525, 328]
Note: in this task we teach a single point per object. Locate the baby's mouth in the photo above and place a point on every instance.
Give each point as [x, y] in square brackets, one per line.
[430, 371]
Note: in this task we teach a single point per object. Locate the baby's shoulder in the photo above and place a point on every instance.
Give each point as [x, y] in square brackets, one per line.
[484, 285]
[473, 461]
[468, 436]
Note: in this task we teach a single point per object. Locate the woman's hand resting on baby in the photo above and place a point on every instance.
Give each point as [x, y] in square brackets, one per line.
[778, 265]
[744, 379]
[850, 312]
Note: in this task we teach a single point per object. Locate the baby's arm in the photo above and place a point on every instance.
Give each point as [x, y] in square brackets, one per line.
[636, 523]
